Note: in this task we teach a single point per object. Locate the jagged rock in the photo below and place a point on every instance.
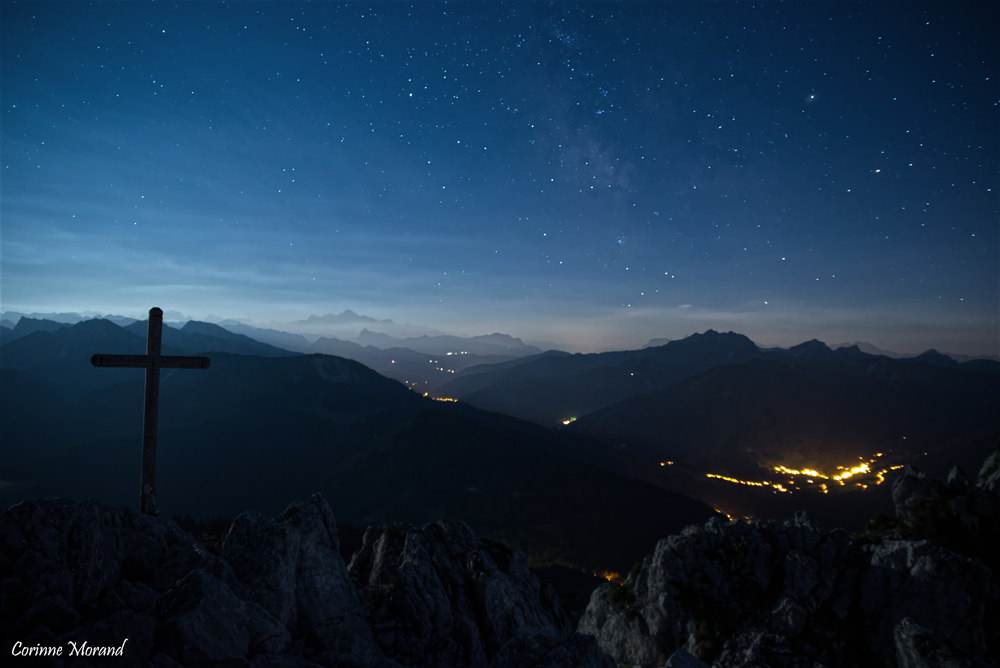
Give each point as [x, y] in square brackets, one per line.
[789, 618]
[703, 591]
[158, 552]
[267, 634]
[755, 648]
[335, 660]
[540, 648]
[282, 661]
[800, 574]
[52, 612]
[201, 622]
[917, 647]
[281, 598]
[81, 550]
[41, 636]
[328, 608]
[161, 660]
[264, 555]
[526, 648]
[943, 592]
[911, 490]
[58, 547]
[438, 594]
[132, 631]
[136, 595]
[627, 636]
[989, 475]
[683, 659]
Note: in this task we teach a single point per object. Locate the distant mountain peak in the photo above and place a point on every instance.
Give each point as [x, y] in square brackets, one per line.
[813, 345]
[713, 337]
[656, 343]
[347, 316]
[932, 356]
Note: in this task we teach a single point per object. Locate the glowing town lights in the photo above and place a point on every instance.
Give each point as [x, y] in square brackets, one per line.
[610, 576]
[881, 474]
[738, 482]
[750, 483]
[857, 470]
[809, 476]
[573, 419]
[808, 472]
[667, 463]
[444, 399]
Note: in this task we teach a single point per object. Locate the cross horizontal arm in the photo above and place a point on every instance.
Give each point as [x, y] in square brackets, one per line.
[177, 362]
[139, 361]
[144, 361]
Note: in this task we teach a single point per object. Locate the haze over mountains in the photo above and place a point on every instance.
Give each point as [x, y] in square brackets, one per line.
[256, 429]
[351, 326]
[539, 447]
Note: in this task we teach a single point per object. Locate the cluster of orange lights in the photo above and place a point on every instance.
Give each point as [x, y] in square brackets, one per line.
[438, 398]
[842, 474]
[751, 483]
[610, 576]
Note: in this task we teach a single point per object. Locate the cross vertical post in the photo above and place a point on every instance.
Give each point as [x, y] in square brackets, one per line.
[154, 336]
[152, 362]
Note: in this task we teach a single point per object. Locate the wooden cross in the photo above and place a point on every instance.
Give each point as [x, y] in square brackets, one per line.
[152, 362]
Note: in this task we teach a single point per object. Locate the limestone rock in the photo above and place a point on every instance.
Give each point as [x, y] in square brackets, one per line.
[328, 609]
[264, 555]
[51, 611]
[989, 475]
[267, 634]
[58, 547]
[133, 632]
[438, 594]
[280, 597]
[682, 659]
[911, 490]
[917, 647]
[539, 648]
[200, 622]
[789, 594]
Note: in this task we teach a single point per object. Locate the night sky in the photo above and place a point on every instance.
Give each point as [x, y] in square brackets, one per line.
[593, 174]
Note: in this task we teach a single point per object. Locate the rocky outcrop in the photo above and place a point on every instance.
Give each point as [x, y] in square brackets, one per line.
[439, 595]
[280, 596]
[740, 594]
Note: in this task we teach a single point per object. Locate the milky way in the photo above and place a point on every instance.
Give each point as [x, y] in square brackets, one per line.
[593, 174]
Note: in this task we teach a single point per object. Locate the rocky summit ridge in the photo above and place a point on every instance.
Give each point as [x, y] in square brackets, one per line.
[737, 594]
[280, 596]
[764, 594]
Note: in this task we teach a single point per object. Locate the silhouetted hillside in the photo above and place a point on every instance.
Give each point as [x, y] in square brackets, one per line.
[251, 432]
[743, 420]
[203, 337]
[552, 389]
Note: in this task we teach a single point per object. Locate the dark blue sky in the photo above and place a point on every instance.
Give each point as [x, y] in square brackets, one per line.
[591, 173]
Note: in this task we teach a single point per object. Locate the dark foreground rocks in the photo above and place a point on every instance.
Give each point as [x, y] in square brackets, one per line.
[767, 594]
[109, 586]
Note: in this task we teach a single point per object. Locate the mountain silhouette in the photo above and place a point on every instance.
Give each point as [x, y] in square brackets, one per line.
[251, 432]
[741, 420]
[551, 389]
